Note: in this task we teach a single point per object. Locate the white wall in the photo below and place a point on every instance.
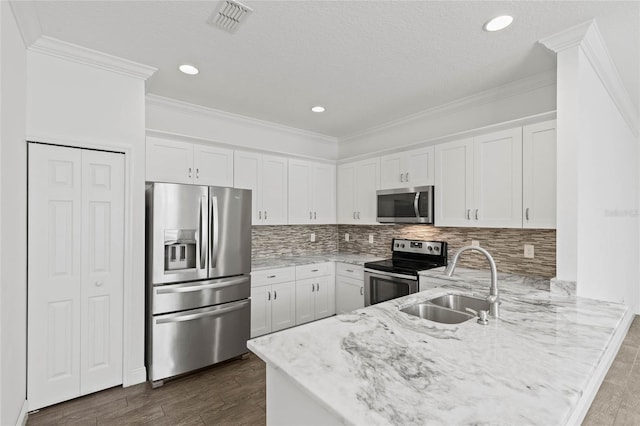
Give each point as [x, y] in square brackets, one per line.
[527, 97]
[13, 211]
[77, 104]
[180, 118]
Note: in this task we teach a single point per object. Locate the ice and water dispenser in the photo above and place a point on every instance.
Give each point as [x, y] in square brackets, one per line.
[179, 249]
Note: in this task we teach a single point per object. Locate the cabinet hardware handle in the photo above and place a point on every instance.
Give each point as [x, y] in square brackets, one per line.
[268, 295]
[189, 171]
[314, 215]
[354, 215]
[314, 270]
[361, 291]
[476, 214]
[317, 286]
[265, 215]
[271, 276]
[260, 214]
[526, 214]
[310, 215]
[313, 287]
[350, 270]
[99, 283]
[401, 177]
[275, 295]
[197, 173]
[407, 177]
[358, 215]
[468, 214]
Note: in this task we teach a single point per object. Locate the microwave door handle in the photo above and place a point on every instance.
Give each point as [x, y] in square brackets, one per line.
[214, 234]
[415, 204]
[202, 232]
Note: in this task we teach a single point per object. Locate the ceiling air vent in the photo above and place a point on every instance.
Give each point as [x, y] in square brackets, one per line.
[230, 15]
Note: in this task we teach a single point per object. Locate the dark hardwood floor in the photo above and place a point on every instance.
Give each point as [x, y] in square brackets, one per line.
[232, 393]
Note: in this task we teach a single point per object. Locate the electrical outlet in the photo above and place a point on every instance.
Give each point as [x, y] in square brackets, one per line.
[370, 238]
[313, 237]
[346, 236]
[528, 251]
[475, 243]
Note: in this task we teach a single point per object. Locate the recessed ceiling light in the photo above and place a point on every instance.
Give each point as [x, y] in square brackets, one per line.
[317, 108]
[498, 23]
[188, 69]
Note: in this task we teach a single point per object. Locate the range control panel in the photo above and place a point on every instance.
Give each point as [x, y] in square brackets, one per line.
[417, 246]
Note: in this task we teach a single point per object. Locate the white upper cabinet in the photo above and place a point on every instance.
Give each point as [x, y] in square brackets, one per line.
[539, 175]
[357, 186]
[266, 177]
[182, 162]
[407, 169]
[479, 181]
[312, 192]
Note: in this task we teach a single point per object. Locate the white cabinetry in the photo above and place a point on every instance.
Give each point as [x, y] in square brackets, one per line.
[312, 193]
[273, 297]
[182, 162]
[479, 181]
[266, 176]
[539, 175]
[349, 287]
[315, 292]
[357, 186]
[407, 169]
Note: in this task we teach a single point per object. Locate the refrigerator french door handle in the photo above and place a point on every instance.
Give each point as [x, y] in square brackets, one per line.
[180, 317]
[214, 218]
[191, 288]
[201, 230]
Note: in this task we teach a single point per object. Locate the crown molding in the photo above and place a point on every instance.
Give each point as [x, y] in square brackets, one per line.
[587, 36]
[192, 109]
[72, 52]
[27, 20]
[523, 85]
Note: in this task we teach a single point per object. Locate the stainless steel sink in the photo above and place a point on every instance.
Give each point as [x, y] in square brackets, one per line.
[436, 313]
[459, 302]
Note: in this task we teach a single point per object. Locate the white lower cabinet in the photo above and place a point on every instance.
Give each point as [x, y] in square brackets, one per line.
[273, 298]
[349, 288]
[315, 292]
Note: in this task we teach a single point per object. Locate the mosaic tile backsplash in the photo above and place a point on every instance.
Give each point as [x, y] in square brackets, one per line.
[505, 245]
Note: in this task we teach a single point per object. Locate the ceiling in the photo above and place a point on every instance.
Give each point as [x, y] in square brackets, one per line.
[367, 62]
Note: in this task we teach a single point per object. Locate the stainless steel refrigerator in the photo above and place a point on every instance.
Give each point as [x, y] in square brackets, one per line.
[198, 277]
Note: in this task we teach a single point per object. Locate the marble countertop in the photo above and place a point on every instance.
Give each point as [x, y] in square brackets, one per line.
[380, 366]
[281, 262]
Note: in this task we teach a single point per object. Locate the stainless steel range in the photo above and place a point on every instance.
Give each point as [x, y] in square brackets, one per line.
[396, 277]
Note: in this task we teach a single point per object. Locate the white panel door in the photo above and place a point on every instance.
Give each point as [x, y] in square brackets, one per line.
[349, 294]
[274, 190]
[367, 183]
[419, 169]
[283, 305]
[213, 166]
[54, 275]
[169, 161]
[498, 179]
[346, 177]
[454, 183]
[260, 311]
[102, 270]
[323, 184]
[325, 298]
[392, 173]
[305, 300]
[539, 175]
[247, 170]
[300, 192]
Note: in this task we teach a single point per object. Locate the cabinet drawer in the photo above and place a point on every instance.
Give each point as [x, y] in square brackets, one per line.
[273, 276]
[314, 270]
[349, 270]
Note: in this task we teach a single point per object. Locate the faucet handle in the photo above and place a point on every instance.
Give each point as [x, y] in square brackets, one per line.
[483, 316]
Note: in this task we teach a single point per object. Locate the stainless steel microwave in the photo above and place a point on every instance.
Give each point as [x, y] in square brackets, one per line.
[406, 205]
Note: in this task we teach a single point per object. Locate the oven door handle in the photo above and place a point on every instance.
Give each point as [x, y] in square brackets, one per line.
[390, 274]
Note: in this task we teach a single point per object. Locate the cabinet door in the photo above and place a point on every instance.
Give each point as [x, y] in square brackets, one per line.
[247, 168]
[213, 166]
[419, 167]
[323, 188]
[102, 270]
[498, 179]
[367, 182]
[325, 299]
[169, 161]
[349, 294]
[305, 300]
[260, 310]
[539, 175]
[283, 306]
[392, 172]
[346, 194]
[454, 183]
[300, 192]
[274, 190]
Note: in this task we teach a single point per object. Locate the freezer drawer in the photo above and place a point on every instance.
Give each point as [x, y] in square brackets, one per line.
[193, 339]
[196, 294]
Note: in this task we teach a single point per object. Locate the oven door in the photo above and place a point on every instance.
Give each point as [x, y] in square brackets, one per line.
[382, 286]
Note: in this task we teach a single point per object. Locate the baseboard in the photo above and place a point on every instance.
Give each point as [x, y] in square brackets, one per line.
[22, 417]
[601, 371]
[139, 375]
